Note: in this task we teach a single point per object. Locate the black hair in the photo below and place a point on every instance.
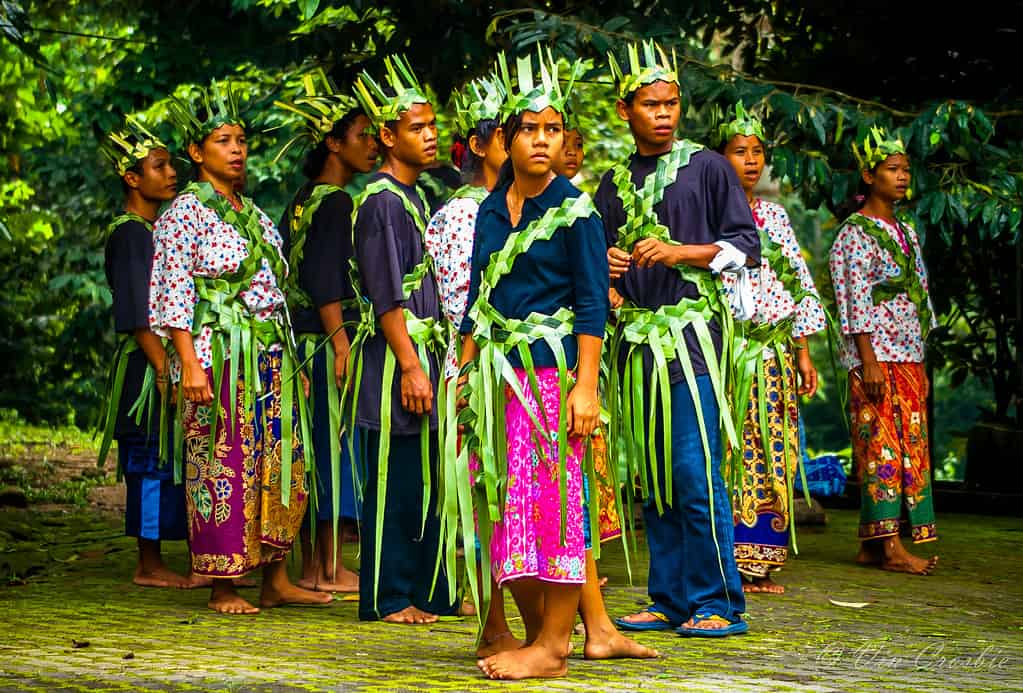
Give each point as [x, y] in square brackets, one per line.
[471, 163]
[134, 168]
[317, 156]
[854, 202]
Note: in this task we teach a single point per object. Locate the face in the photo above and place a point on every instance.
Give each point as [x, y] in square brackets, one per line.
[572, 154]
[358, 149]
[653, 115]
[537, 143]
[158, 180]
[222, 154]
[413, 140]
[890, 179]
[746, 155]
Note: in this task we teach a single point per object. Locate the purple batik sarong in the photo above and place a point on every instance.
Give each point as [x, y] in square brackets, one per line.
[236, 520]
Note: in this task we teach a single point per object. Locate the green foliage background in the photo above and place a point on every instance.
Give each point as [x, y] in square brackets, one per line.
[70, 71]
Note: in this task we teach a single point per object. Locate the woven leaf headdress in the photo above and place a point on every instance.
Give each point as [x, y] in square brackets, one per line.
[883, 147]
[480, 99]
[320, 107]
[652, 65]
[382, 107]
[129, 145]
[525, 93]
[744, 123]
[220, 103]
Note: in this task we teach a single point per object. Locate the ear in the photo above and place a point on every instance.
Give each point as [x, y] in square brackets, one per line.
[333, 143]
[868, 177]
[388, 137]
[499, 136]
[475, 148]
[624, 110]
[132, 180]
[195, 152]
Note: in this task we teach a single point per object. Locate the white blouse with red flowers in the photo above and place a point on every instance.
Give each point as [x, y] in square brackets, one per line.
[773, 302]
[448, 239]
[191, 240]
[858, 264]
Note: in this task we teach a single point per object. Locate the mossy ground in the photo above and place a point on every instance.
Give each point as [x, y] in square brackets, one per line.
[66, 581]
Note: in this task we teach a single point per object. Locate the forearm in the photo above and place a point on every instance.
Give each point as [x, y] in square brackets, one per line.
[182, 341]
[332, 320]
[864, 347]
[152, 346]
[392, 324]
[696, 255]
[469, 351]
[588, 367]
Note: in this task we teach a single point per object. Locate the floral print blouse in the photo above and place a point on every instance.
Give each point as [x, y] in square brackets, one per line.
[449, 237]
[191, 240]
[858, 264]
[773, 302]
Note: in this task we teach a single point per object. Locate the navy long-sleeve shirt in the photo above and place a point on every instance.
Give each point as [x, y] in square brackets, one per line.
[704, 205]
[569, 270]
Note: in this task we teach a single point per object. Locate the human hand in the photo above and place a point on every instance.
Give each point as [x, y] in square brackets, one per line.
[195, 383]
[618, 262]
[650, 251]
[416, 390]
[583, 411]
[615, 298]
[807, 373]
[873, 380]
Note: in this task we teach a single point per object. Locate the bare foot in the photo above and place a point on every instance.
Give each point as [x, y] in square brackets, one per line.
[307, 583]
[285, 594]
[613, 645]
[908, 563]
[467, 608]
[161, 576]
[194, 581]
[228, 602]
[501, 642]
[245, 582]
[899, 560]
[764, 584]
[602, 583]
[532, 662]
[410, 615]
[344, 581]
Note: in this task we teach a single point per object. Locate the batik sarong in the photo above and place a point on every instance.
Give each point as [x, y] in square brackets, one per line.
[760, 505]
[609, 523]
[526, 542]
[236, 519]
[889, 441]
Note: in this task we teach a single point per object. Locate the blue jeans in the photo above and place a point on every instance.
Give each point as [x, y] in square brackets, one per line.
[690, 573]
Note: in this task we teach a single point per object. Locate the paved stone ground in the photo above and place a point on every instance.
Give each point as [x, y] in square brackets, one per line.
[958, 630]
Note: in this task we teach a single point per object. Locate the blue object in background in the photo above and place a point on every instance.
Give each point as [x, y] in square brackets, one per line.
[825, 475]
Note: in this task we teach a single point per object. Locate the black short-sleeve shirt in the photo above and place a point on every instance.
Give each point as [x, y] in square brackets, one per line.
[323, 269]
[128, 263]
[388, 245]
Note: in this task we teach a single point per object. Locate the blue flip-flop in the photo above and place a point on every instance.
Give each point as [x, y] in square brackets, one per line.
[662, 622]
[737, 628]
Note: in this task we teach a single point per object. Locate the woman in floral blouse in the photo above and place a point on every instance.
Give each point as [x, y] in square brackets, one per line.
[215, 293]
[786, 309]
[885, 312]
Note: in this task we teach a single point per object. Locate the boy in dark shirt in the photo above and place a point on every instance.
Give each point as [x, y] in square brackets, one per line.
[396, 408]
[155, 505]
[671, 214]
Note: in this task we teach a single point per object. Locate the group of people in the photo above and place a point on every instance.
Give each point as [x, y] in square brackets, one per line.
[491, 377]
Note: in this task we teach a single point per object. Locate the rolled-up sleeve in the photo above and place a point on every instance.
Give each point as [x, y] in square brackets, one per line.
[172, 295]
[850, 261]
[588, 259]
